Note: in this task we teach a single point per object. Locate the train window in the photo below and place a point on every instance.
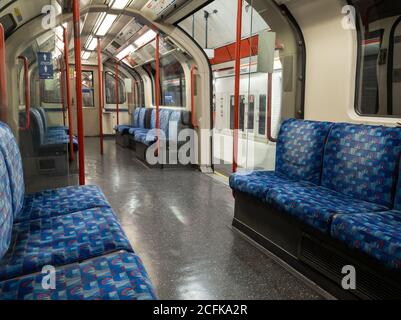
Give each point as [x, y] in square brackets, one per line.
[88, 91]
[251, 113]
[241, 113]
[262, 114]
[110, 89]
[379, 91]
[51, 90]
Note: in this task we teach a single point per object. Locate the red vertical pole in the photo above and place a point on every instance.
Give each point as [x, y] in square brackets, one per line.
[100, 80]
[3, 89]
[78, 85]
[117, 97]
[237, 84]
[62, 91]
[157, 98]
[68, 92]
[26, 92]
[193, 120]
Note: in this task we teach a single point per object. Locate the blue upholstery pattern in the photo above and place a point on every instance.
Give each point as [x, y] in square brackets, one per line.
[175, 125]
[62, 240]
[12, 156]
[6, 210]
[397, 201]
[146, 137]
[316, 206]
[61, 201]
[120, 276]
[124, 129]
[164, 121]
[257, 184]
[377, 234]
[361, 161]
[300, 149]
[141, 118]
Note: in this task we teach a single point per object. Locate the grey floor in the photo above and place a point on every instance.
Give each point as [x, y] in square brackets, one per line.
[178, 222]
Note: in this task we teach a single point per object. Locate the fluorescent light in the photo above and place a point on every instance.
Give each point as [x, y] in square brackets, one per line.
[86, 55]
[119, 4]
[147, 37]
[99, 21]
[125, 52]
[106, 24]
[91, 44]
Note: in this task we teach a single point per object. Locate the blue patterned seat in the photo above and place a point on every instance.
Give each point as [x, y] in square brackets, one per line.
[377, 235]
[62, 240]
[61, 201]
[299, 158]
[316, 206]
[142, 122]
[124, 129]
[54, 129]
[120, 276]
[6, 209]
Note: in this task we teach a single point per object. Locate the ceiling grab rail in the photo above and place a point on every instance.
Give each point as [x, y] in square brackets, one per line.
[78, 85]
[193, 83]
[68, 93]
[26, 93]
[100, 80]
[269, 108]
[117, 96]
[3, 87]
[237, 85]
[157, 98]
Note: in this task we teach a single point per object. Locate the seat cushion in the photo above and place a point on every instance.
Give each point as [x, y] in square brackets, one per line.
[362, 161]
[147, 138]
[59, 140]
[13, 162]
[6, 209]
[123, 129]
[300, 149]
[316, 206]
[62, 240]
[257, 184]
[134, 131]
[377, 234]
[61, 201]
[119, 276]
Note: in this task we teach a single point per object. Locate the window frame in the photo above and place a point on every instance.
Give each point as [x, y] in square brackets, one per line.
[120, 82]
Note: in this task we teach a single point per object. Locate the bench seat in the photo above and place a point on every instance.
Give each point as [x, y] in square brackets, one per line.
[376, 234]
[257, 184]
[316, 206]
[51, 203]
[119, 276]
[62, 240]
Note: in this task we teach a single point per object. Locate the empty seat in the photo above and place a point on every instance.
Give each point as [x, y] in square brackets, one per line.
[6, 209]
[119, 276]
[377, 235]
[149, 137]
[124, 129]
[142, 121]
[299, 159]
[359, 176]
[62, 240]
[316, 206]
[62, 130]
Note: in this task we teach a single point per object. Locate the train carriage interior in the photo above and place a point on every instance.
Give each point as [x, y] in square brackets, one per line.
[200, 150]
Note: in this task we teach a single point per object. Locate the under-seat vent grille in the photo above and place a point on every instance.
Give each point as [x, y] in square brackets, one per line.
[369, 285]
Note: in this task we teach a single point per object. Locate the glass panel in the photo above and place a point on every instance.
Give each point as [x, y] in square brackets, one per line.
[110, 89]
[380, 65]
[88, 90]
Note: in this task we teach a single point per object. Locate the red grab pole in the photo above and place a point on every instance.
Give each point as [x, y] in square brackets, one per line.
[3, 89]
[269, 109]
[62, 91]
[100, 80]
[157, 85]
[237, 84]
[68, 92]
[78, 85]
[117, 97]
[193, 120]
[26, 92]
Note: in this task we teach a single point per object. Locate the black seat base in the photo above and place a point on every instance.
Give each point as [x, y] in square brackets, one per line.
[313, 254]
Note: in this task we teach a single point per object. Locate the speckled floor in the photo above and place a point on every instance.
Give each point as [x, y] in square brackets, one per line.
[179, 223]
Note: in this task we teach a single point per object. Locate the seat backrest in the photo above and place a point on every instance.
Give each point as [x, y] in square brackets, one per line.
[43, 115]
[37, 128]
[153, 120]
[300, 148]
[6, 211]
[135, 118]
[142, 118]
[164, 121]
[362, 162]
[12, 156]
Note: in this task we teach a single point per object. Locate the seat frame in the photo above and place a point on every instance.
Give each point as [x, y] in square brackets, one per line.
[312, 253]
